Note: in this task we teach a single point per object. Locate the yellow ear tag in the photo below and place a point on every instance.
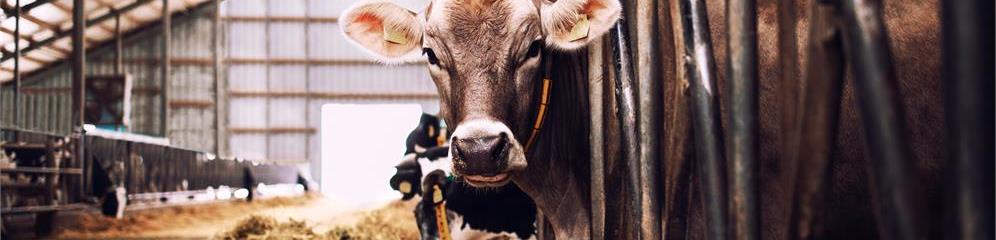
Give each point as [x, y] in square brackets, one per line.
[394, 36]
[437, 195]
[405, 187]
[580, 30]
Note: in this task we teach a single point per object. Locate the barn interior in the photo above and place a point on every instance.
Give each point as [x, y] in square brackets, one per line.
[689, 119]
[179, 107]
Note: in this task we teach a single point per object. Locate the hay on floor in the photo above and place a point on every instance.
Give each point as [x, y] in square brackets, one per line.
[394, 221]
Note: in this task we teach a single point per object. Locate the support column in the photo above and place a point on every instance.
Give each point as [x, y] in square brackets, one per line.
[79, 81]
[164, 70]
[17, 68]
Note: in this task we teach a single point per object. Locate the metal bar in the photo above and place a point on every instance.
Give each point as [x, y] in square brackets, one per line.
[700, 68]
[890, 165]
[648, 118]
[967, 29]
[596, 71]
[308, 130]
[26, 8]
[308, 19]
[17, 65]
[36, 209]
[741, 48]
[824, 74]
[789, 89]
[164, 70]
[79, 81]
[307, 87]
[269, 85]
[42, 170]
[61, 34]
[626, 111]
[118, 49]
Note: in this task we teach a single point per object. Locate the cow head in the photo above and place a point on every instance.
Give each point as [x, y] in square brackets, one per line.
[485, 59]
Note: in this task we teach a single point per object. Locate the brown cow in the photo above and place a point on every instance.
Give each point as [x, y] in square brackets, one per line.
[488, 59]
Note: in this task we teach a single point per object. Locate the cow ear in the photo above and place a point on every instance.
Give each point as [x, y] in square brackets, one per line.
[571, 24]
[384, 29]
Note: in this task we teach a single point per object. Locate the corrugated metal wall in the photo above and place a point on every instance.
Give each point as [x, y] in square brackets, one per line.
[46, 99]
[287, 58]
[283, 60]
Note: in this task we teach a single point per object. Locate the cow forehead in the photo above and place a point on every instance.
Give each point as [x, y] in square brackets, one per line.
[443, 15]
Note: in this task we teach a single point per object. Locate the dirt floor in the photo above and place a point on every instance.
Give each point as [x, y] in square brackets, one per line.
[309, 217]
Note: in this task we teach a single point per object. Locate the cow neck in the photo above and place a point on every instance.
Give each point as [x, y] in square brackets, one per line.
[556, 177]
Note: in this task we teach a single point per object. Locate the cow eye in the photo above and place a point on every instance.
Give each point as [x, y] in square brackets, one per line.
[431, 56]
[534, 49]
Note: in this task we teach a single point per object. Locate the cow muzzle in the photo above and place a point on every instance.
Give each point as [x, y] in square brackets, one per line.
[485, 153]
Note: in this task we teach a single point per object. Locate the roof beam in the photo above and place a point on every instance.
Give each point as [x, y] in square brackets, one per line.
[61, 34]
[23, 36]
[31, 40]
[9, 10]
[68, 10]
[25, 57]
[103, 3]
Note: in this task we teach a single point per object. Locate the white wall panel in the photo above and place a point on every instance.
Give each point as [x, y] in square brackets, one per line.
[368, 78]
[332, 8]
[288, 147]
[289, 8]
[246, 112]
[246, 40]
[247, 77]
[247, 7]
[287, 40]
[248, 146]
[287, 112]
[288, 78]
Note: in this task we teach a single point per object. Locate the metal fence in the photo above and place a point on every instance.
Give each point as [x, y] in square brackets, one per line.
[703, 131]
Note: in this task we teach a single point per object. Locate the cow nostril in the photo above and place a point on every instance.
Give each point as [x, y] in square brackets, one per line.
[455, 146]
[500, 149]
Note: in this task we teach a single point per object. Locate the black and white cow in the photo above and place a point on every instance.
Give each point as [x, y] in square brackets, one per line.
[498, 213]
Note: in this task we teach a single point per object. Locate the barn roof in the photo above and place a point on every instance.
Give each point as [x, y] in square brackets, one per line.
[45, 28]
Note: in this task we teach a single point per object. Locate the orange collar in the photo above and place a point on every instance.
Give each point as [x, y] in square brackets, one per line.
[538, 124]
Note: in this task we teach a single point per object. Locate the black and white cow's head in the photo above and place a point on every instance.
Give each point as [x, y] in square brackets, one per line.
[485, 59]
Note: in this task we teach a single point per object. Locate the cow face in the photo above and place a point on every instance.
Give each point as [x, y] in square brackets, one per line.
[485, 59]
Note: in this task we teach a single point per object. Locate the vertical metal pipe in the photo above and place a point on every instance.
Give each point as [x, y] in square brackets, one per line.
[17, 67]
[164, 70]
[219, 92]
[269, 86]
[596, 72]
[890, 165]
[824, 74]
[118, 49]
[967, 28]
[789, 88]
[741, 48]
[307, 97]
[648, 118]
[700, 67]
[626, 110]
[79, 81]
